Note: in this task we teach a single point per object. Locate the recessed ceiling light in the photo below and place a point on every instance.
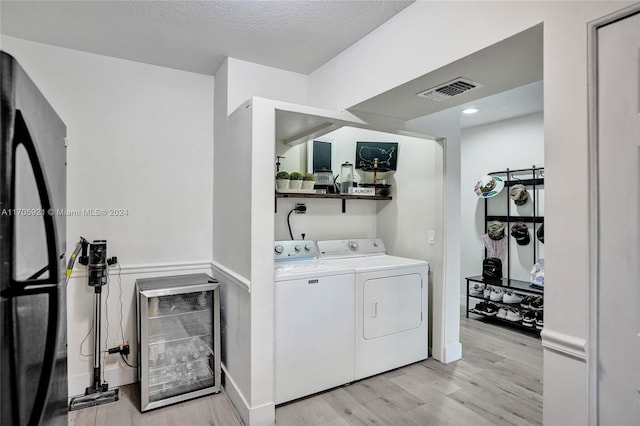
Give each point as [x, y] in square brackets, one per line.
[470, 110]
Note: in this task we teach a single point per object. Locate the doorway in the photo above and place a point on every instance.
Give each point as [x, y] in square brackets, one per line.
[615, 318]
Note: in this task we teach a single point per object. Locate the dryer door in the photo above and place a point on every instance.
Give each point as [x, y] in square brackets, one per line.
[391, 305]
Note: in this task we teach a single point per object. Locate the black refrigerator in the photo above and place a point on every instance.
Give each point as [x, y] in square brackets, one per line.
[33, 353]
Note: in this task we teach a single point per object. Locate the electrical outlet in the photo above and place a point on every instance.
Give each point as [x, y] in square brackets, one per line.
[301, 208]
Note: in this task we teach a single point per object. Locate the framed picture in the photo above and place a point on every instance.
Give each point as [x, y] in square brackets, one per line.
[385, 152]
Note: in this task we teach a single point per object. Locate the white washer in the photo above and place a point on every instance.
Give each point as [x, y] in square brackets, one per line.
[391, 304]
[314, 311]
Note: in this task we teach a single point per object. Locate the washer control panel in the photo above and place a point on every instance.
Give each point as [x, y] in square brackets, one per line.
[294, 250]
[351, 248]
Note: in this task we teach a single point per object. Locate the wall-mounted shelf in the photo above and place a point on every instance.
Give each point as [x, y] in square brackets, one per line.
[343, 197]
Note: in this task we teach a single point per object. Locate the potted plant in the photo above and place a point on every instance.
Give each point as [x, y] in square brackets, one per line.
[282, 181]
[308, 181]
[295, 180]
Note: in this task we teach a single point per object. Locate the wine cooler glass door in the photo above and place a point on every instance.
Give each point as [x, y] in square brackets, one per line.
[179, 348]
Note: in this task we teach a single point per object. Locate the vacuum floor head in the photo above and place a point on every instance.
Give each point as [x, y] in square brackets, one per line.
[98, 398]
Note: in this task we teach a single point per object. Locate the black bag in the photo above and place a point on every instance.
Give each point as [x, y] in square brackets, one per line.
[492, 268]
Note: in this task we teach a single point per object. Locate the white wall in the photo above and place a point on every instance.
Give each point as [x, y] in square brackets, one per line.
[324, 219]
[389, 57]
[246, 79]
[231, 239]
[516, 143]
[140, 138]
[242, 234]
[445, 268]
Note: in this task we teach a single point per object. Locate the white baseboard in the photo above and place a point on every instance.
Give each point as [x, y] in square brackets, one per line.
[263, 415]
[452, 352]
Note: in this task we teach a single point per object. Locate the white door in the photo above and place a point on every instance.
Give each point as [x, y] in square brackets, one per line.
[619, 222]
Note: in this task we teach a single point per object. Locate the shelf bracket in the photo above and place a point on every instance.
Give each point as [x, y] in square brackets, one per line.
[344, 205]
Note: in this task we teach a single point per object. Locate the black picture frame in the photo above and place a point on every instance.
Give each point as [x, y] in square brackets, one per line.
[385, 152]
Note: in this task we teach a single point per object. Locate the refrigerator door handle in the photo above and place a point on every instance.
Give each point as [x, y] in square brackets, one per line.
[47, 286]
[23, 137]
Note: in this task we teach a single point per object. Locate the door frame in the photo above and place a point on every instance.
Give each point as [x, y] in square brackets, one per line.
[594, 243]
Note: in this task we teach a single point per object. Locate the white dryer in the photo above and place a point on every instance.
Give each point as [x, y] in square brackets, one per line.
[391, 304]
[314, 311]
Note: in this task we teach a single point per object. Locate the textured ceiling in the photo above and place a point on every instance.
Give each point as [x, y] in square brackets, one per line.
[296, 35]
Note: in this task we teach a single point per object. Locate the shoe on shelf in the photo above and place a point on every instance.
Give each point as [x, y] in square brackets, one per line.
[479, 307]
[487, 292]
[538, 304]
[502, 313]
[513, 314]
[496, 295]
[477, 289]
[529, 319]
[539, 320]
[512, 298]
[490, 310]
[526, 302]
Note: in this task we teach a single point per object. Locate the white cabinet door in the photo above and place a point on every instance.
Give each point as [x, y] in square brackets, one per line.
[619, 222]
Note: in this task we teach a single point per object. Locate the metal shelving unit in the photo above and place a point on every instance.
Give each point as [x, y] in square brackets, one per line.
[535, 182]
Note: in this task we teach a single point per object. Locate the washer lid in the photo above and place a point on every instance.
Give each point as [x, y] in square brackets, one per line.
[302, 270]
[378, 263]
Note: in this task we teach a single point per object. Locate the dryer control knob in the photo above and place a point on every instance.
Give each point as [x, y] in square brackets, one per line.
[375, 244]
[297, 248]
[353, 245]
[308, 247]
[278, 249]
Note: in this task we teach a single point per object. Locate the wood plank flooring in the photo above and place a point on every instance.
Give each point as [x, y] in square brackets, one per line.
[498, 382]
[209, 410]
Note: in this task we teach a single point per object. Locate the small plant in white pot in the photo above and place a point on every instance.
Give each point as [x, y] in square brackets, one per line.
[308, 181]
[295, 180]
[282, 181]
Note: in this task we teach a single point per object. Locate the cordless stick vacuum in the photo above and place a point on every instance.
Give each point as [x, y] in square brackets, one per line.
[97, 264]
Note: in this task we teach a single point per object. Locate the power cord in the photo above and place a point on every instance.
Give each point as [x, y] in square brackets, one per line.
[120, 297]
[126, 362]
[85, 339]
[106, 317]
[299, 208]
[289, 223]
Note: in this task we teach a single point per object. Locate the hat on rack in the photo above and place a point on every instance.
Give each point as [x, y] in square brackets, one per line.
[519, 194]
[488, 186]
[540, 233]
[495, 230]
[520, 232]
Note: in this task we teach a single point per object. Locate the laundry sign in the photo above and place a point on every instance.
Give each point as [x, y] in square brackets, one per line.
[385, 152]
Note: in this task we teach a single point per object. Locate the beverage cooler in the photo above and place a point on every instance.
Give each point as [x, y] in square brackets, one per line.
[178, 339]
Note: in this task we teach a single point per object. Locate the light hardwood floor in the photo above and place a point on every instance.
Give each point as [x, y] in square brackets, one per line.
[498, 382]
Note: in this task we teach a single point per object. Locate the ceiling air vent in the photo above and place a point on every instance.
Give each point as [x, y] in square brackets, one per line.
[449, 89]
